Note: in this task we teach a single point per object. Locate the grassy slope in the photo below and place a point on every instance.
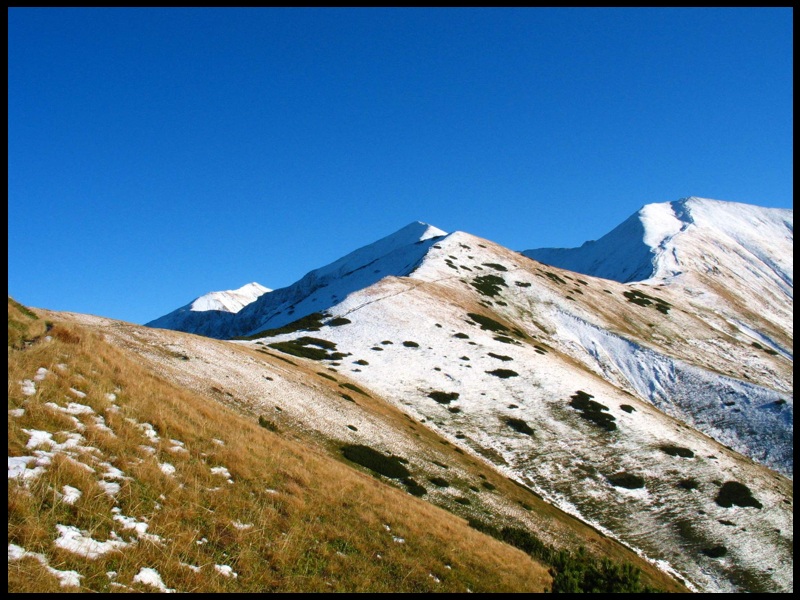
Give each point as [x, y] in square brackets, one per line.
[322, 531]
[317, 525]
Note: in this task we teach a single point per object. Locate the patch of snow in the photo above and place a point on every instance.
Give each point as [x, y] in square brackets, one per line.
[27, 386]
[167, 469]
[77, 393]
[18, 467]
[41, 373]
[151, 577]
[16, 412]
[225, 571]
[74, 540]
[71, 494]
[65, 578]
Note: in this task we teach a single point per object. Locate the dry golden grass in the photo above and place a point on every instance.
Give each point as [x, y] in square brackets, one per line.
[292, 520]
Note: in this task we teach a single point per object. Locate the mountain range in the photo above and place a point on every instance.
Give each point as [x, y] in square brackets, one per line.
[641, 384]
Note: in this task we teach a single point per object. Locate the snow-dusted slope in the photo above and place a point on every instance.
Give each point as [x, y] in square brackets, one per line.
[490, 349]
[664, 240]
[732, 257]
[203, 314]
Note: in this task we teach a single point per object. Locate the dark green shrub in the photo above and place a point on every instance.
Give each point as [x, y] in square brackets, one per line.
[733, 492]
[338, 322]
[312, 322]
[502, 357]
[555, 278]
[715, 552]
[676, 451]
[488, 285]
[462, 336]
[641, 299]
[495, 266]
[503, 373]
[627, 408]
[626, 480]
[592, 411]
[267, 424]
[388, 466]
[443, 397]
[326, 376]
[462, 500]
[439, 482]
[414, 488]
[309, 347]
[411, 344]
[488, 486]
[518, 425]
[522, 284]
[487, 323]
[361, 362]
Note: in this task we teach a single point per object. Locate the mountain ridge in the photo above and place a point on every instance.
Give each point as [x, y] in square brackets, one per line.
[675, 385]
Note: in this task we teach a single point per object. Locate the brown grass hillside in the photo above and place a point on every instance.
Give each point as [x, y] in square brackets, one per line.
[124, 481]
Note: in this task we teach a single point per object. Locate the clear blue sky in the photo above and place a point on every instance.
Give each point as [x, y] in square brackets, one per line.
[159, 154]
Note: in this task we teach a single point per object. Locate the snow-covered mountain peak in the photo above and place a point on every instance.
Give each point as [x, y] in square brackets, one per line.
[231, 300]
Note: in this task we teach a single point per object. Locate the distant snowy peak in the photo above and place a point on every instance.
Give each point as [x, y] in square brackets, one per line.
[231, 301]
[209, 314]
[663, 240]
[250, 309]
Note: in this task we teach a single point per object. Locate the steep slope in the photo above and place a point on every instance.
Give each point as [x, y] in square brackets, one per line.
[204, 315]
[733, 257]
[556, 379]
[142, 446]
[119, 480]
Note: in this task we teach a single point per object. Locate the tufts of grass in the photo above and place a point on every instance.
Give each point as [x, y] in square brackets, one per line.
[355, 388]
[292, 520]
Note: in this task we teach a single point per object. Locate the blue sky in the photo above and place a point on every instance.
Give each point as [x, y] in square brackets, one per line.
[159, 154]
